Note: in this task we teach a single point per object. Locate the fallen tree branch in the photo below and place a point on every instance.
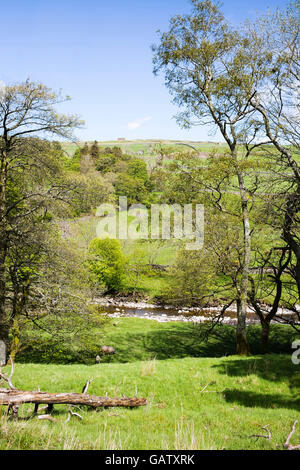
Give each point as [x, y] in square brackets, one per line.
[46, 417]
[265, 436]
[8, 379]
[86, 386]
[13, 398]
[268, 436]
[72, 413]
[209, 383]
[287, 444]
[18, 397]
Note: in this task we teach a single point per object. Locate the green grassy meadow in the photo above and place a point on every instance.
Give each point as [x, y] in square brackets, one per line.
[241, 395]
[194, 401]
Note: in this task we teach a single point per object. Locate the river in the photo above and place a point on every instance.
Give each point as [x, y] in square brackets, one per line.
[123, 308]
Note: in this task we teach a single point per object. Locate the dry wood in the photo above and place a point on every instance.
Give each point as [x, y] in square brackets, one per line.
[8, 379]
[287, 444]
[265, 436]
[268, 436]
[46, 417]
[18, 397]
[72, 413]
[13, 398]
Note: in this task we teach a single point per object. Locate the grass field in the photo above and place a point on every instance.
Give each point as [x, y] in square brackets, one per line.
[241, 395]
[148, 147]
[137, 339]
[194, 402]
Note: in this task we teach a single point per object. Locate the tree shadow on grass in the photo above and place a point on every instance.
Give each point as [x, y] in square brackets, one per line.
[188, 340]
[269, 367]
[174, 340]
[262, 400]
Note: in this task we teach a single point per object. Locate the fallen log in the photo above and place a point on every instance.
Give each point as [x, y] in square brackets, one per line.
[18, 397]
[13, 398]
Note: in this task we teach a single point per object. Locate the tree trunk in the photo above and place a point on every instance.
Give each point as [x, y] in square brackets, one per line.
[4, 330]
[242, 347]
[241, 335]
[292, 208]
[17, 397]
[265, 330]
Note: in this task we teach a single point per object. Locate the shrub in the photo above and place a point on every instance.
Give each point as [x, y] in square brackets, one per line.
[190, 279]
[106, 162]
[133, 188]
[138, 169]
[106, 263]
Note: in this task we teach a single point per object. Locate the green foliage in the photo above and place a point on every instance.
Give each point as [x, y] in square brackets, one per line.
[106, 162]
[63, 339]
[92, 190]
[106, 263]
[131, 175]
[138, 169]
[94, 150]
[133, 188]
[191, 279]
[74, 164]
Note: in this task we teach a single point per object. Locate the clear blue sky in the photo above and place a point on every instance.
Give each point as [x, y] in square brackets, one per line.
[99, 52]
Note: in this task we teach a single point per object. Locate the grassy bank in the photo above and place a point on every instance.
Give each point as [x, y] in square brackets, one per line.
[241, 395]
[136, 339]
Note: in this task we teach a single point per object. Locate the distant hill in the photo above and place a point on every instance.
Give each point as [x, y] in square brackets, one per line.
[146, 147]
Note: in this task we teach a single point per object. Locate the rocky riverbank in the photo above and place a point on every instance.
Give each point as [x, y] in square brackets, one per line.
[116, 308]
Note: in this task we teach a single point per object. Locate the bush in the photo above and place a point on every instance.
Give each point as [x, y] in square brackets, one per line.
[133, 188]
[106, 162]
[106, 263]
[190, 279]
[138, 169]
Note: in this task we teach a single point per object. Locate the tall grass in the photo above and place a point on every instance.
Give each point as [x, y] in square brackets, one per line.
[193, 403]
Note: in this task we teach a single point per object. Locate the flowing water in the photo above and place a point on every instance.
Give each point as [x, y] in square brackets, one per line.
[116, 309]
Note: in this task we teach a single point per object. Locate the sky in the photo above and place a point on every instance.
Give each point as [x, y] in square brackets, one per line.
[99, 53]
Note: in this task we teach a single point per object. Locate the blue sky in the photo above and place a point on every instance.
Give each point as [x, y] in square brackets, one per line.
[99, 53]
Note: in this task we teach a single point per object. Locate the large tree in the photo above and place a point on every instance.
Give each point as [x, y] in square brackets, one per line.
[277, 115]
[27, 111]
[213, 72]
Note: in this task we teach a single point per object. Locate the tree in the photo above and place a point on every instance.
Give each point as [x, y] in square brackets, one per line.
[106, 163]
[277, 114]
[94, 150]
[190, 279]
[269, 280]
[106, 263]
[213, 72]
[138, 169]
[49, 290]
[133, 188]
[85, 149]
[27, 110]
[189, 179]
